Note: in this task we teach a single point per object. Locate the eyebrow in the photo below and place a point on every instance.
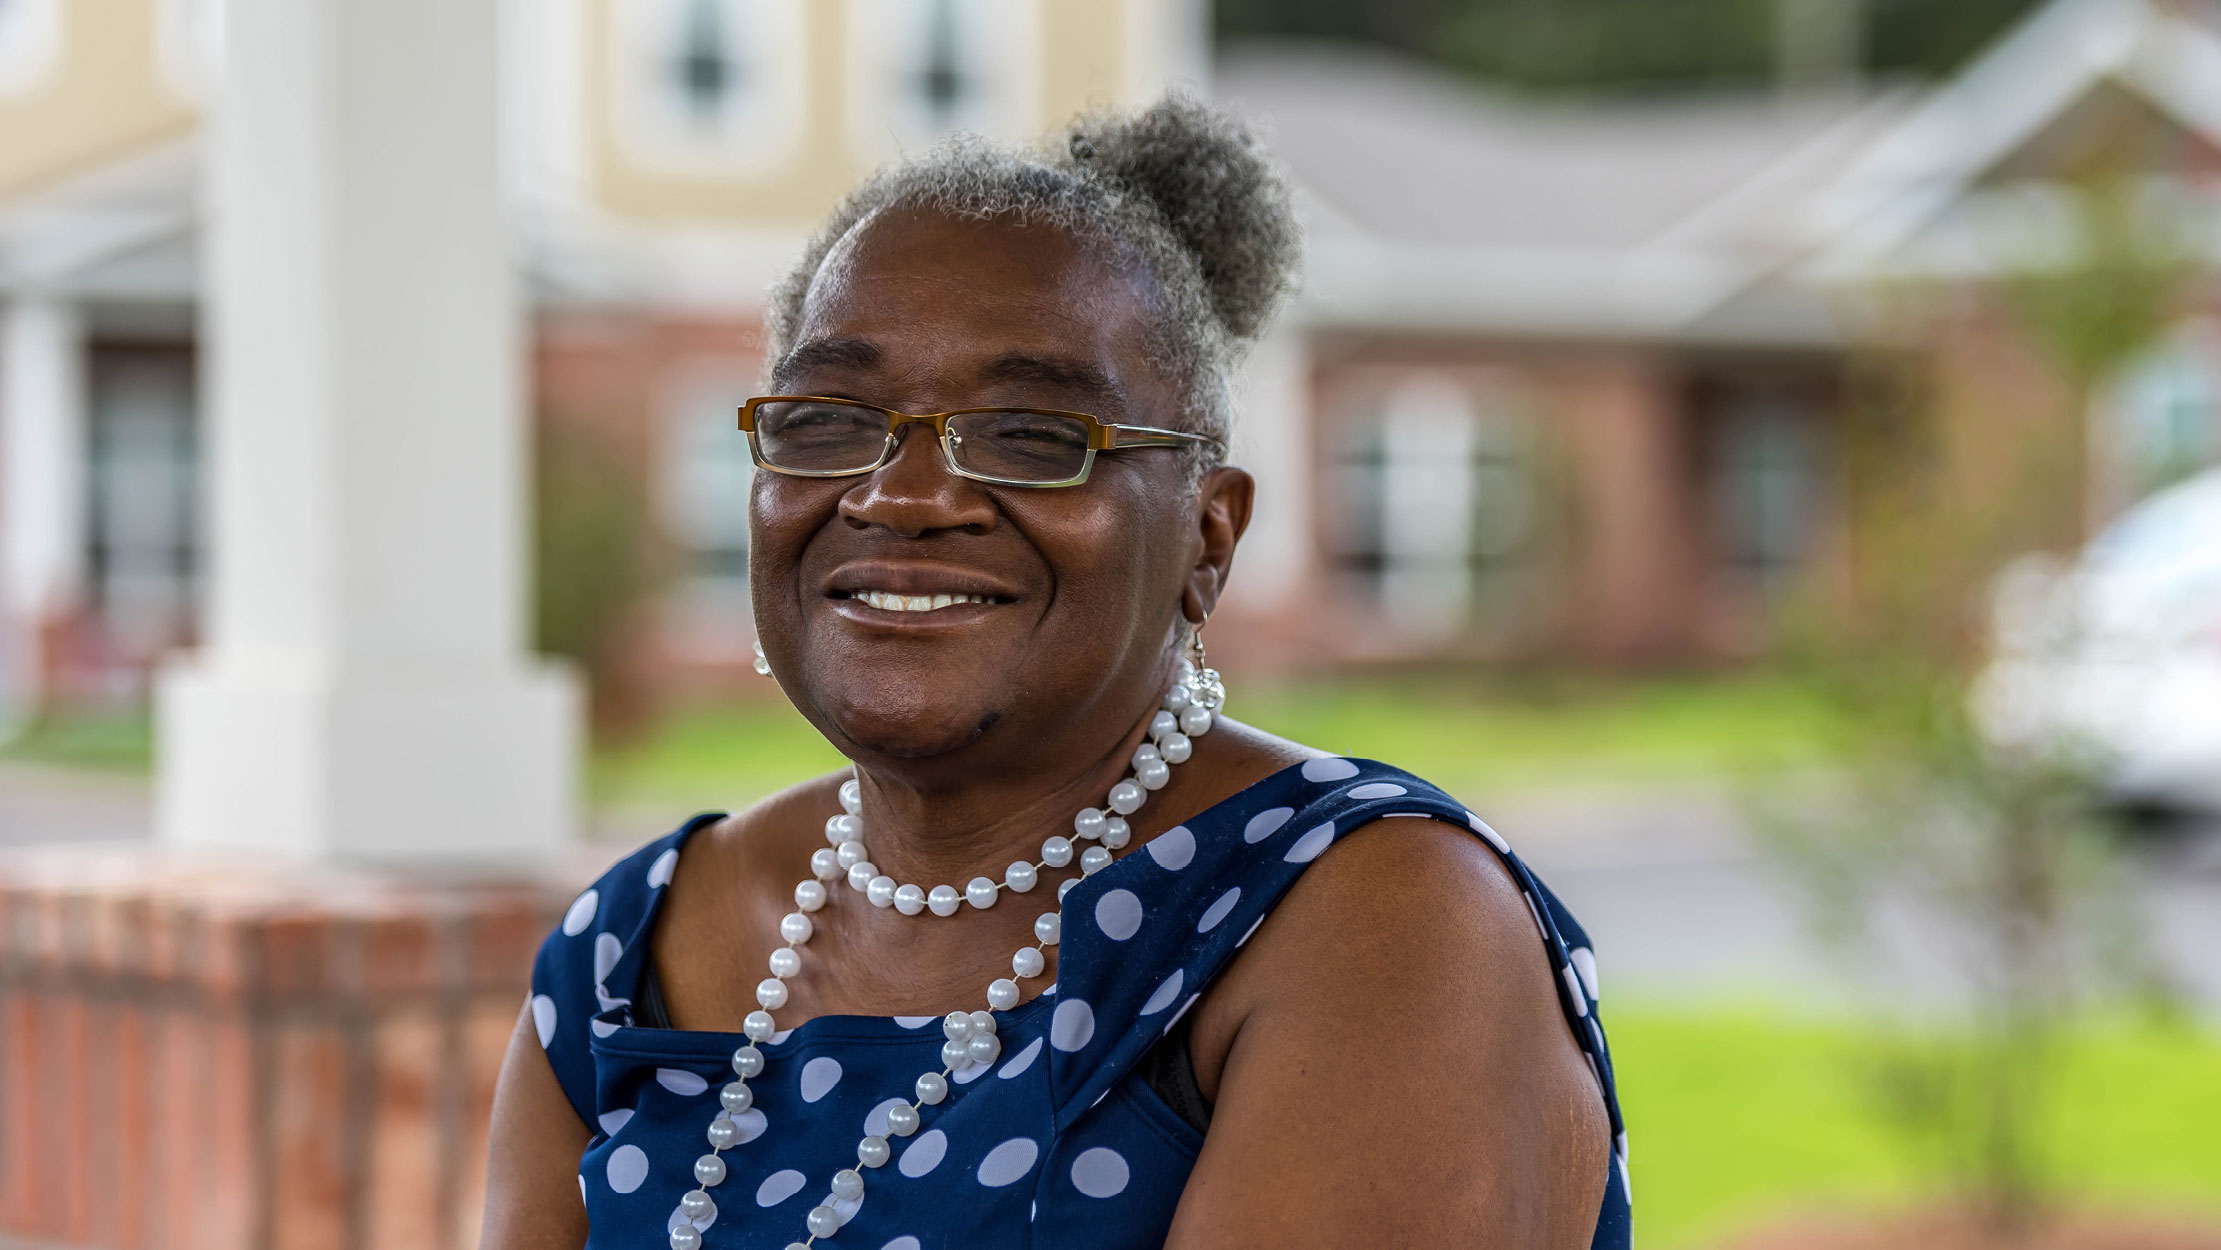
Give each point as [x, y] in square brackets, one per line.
[1060, 372]
[827, 354]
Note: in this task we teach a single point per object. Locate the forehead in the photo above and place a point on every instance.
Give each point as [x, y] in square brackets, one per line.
[938, 297]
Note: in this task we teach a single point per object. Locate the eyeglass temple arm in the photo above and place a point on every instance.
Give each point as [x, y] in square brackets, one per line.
[1151, 436]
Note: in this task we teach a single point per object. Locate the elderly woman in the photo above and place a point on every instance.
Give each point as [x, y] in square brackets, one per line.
[1074, 959]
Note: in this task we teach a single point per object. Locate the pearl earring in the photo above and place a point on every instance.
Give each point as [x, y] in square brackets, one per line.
[763, 665]
[1192, 673]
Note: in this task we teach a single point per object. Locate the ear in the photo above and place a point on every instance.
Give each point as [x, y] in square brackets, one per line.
[1222, 513]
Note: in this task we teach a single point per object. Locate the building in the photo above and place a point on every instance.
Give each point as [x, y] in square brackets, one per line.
[1566, 381]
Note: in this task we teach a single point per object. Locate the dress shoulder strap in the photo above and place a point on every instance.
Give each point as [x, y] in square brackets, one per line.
[1144, 937]
[591, 961]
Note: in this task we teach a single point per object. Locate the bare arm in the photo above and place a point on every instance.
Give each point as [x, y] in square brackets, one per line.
[1399, 1072]
[532, 1196]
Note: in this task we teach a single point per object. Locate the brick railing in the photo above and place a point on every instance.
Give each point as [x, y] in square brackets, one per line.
[223, 1053]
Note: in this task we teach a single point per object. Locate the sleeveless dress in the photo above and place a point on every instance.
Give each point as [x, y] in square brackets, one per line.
[1059, 1143]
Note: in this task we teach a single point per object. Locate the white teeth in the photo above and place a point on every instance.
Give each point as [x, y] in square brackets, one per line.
[886, 602]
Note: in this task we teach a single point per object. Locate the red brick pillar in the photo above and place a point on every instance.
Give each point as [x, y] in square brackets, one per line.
[221, 1053]
[1638, 578]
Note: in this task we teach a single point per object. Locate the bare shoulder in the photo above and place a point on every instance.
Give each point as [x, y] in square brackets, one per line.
[1402, 989]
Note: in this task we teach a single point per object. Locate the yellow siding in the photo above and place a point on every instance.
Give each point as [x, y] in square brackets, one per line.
[1083, 58]
[104, 101]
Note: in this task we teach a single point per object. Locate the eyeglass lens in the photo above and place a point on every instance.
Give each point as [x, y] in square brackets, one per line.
[810, 436]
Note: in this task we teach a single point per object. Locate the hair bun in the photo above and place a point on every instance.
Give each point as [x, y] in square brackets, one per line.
[1225, 200]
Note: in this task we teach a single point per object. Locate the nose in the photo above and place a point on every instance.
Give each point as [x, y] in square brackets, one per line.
[914, 493]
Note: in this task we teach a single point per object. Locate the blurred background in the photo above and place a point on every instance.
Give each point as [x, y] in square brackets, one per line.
[1762, 454]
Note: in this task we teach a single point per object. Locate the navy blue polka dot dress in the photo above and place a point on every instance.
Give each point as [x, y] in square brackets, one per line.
[1059, 1143]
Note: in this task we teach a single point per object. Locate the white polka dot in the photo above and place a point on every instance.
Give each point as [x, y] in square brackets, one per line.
[612, 1121]
[903, 1243]
[1536, 912]
[1008, 1163]
[582, 1187]
[970, 1074]
[1218, 911]
[1406, 816]
[1165, 993]
[875, 1121]
[1072, 1025]
[751, 1124]
[819, 1076]
[607, 951]
[1584, 962]
[1100, 1173]
[845, 1209]
[915, 1022]
[1050, 989]
[779, 1186]
[1118, 915]
[543, 1018]
[1495, 839]
[1574, 995]
[1254, 925]
[1308, 846]
[1378, 790]
[1328, 770]
[1173, 848]
[1266, 823]
[924, 1153]
[628, 1166]
[581, 913]
[678, 1217]
[659, 872]
[680, 1081]
[781, 1036]
[1021, 1061]
[601, 1027]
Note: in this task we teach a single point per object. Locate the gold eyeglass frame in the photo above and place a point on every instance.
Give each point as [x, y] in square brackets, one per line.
[1101, 436]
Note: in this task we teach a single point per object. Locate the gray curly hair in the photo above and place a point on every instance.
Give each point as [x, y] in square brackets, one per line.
[1182, 190]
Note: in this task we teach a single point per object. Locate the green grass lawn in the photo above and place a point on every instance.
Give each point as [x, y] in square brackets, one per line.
[108, 742]
[1738, 1117]
[1467, 734]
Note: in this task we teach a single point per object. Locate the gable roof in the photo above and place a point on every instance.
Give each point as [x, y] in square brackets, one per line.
[2167, 55]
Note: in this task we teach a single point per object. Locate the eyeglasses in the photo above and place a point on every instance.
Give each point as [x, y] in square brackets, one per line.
[809, 436]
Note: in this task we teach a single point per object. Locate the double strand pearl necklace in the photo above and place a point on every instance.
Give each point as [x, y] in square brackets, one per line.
[1187, 713]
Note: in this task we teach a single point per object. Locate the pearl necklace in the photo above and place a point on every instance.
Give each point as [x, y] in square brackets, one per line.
[1187, 713]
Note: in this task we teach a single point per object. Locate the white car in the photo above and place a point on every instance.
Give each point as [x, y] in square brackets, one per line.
[2116, 657]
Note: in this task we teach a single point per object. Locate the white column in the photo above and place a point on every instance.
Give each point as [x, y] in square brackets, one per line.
[43, 456]
[364, 691]
[1273, 439]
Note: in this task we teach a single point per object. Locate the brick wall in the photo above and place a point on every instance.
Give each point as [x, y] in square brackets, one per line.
[208, 1053]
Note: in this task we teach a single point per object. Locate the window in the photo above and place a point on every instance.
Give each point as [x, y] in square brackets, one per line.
[709, 86]
[1764, 485]
[923, 69]
[143, 534]
[1437, 506]
[30, 43]
[2163, 416]
[705, 480]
